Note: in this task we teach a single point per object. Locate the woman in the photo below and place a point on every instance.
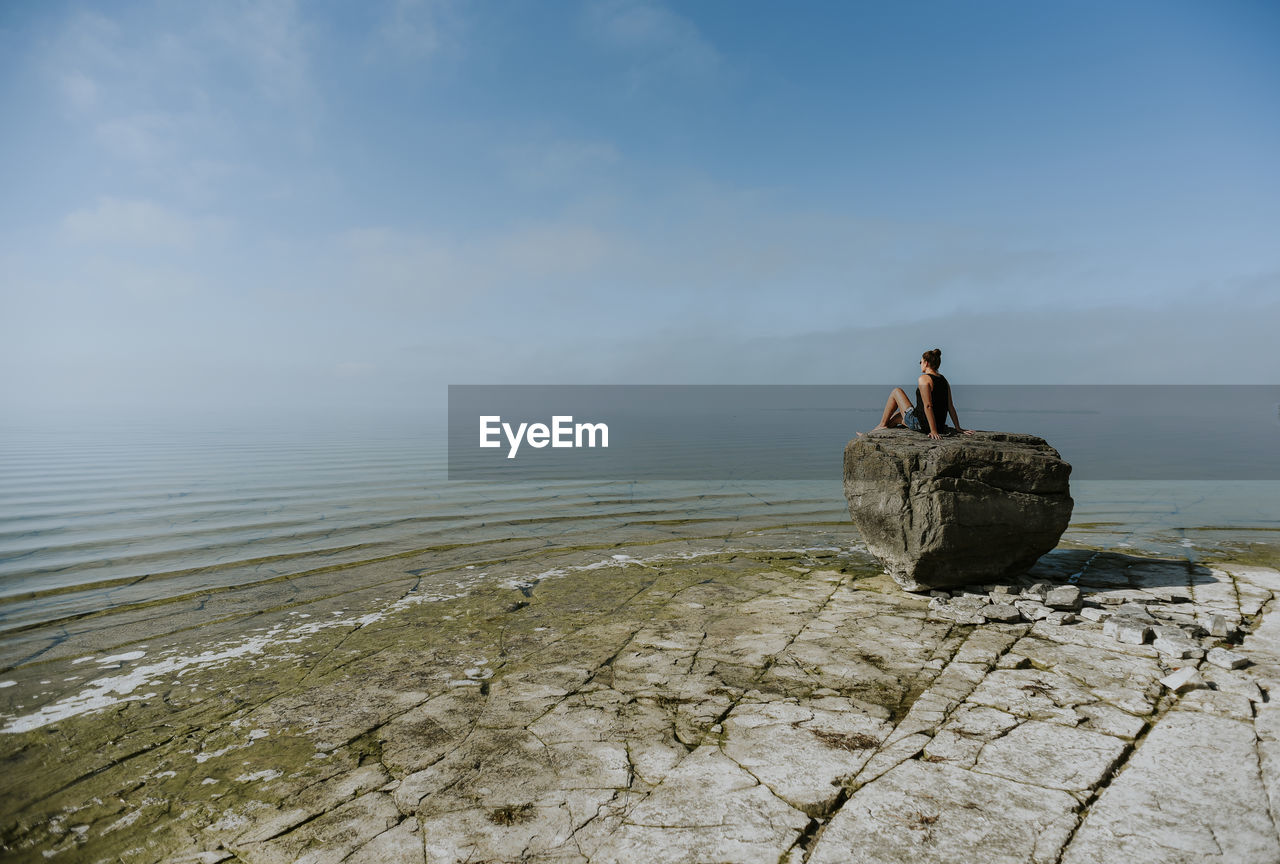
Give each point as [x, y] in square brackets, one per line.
[933, 402]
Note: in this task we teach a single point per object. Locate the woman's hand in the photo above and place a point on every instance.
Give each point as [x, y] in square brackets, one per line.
[935, 436]
[965, 431]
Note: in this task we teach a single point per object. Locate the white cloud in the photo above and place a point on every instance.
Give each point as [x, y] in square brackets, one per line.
[420, 266]
[144, 138]
[549, 251]
[658, 42]
[80, 91]
[166, 89]
[418, 29]
[560, 162]
[133, 223]
[270, 37]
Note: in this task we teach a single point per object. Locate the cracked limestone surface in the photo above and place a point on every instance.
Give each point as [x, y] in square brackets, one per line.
[683, 702]
[1191, 793]
[937, 812]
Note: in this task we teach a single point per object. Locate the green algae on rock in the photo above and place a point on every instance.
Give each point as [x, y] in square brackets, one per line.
[766, 700]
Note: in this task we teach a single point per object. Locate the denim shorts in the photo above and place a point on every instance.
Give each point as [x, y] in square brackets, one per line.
[912, 420]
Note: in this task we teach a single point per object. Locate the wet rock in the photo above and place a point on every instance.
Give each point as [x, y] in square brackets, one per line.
[965, 509]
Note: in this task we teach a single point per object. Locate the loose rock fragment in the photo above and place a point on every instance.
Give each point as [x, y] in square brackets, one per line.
[1065, 597]
[1031, 610]
[1002, 612]
[1127, 630]
[958, 610]
[1136, 611]
[1226, 659]
[1175, 649]
[1174, 642]
[1093, 613]
[1171, 595]
[1218, 627]
[1186, 678]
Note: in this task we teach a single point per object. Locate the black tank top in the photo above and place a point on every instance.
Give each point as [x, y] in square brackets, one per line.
[941, 403]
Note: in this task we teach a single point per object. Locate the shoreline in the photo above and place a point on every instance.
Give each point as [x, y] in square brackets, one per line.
[1107, 514]
[749, 675]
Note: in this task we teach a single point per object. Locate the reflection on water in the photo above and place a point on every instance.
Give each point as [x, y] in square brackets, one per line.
[91, 520]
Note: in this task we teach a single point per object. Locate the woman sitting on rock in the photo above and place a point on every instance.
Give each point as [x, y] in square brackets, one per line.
[933, 402]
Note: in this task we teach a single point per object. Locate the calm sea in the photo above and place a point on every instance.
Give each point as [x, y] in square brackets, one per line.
[92, 518]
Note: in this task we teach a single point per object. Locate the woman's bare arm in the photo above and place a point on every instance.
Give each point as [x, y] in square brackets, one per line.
[955, 418]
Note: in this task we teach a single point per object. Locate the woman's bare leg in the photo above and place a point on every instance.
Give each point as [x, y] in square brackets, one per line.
[898, 403]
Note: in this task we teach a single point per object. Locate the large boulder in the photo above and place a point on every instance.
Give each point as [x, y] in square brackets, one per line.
[968, 508]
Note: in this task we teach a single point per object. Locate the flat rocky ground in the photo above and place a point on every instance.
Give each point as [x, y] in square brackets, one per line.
[664, 703]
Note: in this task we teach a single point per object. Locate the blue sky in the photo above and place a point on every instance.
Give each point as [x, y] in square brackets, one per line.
[336, 207]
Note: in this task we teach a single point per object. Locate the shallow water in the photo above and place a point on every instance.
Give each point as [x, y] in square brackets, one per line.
[96, 518]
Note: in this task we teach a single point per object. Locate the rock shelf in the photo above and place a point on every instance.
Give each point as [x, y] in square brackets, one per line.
[675, 705]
